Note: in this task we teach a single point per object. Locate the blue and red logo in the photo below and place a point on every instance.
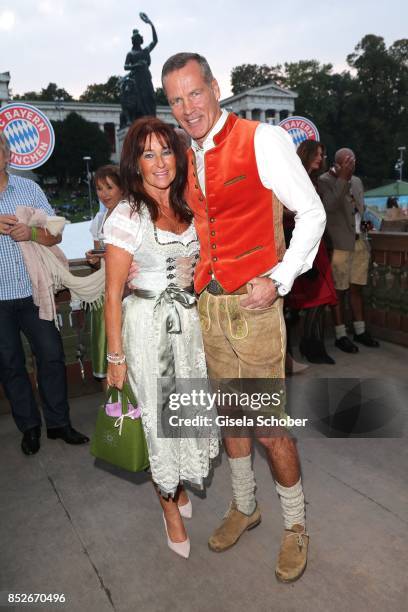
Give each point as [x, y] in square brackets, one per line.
[300, 129]
[29, 133]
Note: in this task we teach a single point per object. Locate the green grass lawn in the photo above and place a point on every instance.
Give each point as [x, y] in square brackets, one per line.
[72, 205]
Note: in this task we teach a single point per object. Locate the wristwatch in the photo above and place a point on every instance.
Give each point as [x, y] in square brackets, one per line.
[277, 286]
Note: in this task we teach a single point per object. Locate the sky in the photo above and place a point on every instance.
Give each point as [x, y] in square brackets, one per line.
[78, 42]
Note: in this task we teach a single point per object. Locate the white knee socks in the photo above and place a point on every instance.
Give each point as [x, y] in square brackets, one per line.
[293, 504]
[243, 484]
[243, 487]
[340, 331]
[359, 327]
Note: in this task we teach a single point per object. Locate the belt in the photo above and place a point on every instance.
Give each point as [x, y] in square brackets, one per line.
[168, 319]
[215, 288]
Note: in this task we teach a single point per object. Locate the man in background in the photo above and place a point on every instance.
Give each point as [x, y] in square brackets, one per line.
[18, 313]
[342, 195]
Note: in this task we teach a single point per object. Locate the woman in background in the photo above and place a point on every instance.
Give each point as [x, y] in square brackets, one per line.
[314, 290]
[109, 192]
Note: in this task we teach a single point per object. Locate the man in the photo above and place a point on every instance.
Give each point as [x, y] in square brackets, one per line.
[19, 314]
[238, 170]
[342, 195]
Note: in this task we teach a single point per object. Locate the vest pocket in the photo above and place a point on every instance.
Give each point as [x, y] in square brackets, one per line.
[257, 248]
[241, 177]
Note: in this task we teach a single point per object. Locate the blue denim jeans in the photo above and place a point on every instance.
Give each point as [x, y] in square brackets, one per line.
[18, 316]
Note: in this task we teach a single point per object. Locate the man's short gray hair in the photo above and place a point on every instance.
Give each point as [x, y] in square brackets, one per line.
[4, 145]
[179, 60]
[343, 152]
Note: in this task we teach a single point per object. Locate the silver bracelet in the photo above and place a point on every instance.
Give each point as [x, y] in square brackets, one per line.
[115, 358]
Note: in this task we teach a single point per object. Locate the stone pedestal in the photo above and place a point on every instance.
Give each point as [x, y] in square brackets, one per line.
[162, 112]
[121, 134]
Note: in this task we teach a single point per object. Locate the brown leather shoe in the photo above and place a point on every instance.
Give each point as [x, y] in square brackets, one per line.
[293, 554]
[232, 527]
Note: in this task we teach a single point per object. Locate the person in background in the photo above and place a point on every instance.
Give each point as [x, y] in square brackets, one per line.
[393, 212]
[314, 290]
[156, 334]
[342, 195]
[18, 313]
[392, 202]
[109, 192]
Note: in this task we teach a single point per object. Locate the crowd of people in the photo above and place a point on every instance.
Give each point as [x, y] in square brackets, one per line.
[195, 239]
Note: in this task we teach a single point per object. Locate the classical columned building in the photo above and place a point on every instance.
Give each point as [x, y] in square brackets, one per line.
[4, 88]
[106, 116]
[268, 103]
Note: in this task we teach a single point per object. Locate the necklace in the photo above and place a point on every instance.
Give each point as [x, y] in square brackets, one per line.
[177, 226]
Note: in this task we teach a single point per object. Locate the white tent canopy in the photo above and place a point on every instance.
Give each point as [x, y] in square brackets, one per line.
[76, 240]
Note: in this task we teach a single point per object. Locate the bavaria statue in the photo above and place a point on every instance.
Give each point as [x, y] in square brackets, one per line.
[137, 92]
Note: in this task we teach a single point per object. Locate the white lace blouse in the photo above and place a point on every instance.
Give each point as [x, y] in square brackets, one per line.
[163, 258]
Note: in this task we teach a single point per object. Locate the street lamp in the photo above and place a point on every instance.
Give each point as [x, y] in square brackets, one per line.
[87, 161]
[400, 162]
[59, 105]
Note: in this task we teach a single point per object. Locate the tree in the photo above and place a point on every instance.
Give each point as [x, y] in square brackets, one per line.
[75, 138]
[399, 51]
[247, 76]
[108, 92]
[48, 93]
[364, 109]
[313, 82]
[378, 109]
[161, 99]
[28, 95]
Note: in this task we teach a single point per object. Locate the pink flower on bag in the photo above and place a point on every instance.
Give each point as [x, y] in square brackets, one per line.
[114, 409]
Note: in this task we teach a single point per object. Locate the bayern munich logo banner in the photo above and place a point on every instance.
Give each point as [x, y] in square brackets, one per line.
[300, 129]
[29, 133]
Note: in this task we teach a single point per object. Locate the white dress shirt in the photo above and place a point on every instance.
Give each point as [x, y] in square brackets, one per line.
[281, 171]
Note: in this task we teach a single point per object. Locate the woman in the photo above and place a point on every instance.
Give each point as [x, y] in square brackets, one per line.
[153, 226]
[393, 211]
[109, 192]
[314, 290]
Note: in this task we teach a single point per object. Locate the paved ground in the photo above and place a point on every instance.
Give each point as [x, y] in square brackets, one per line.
[71, 526]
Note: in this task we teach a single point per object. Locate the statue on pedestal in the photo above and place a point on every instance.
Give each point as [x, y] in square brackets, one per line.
[137, 92]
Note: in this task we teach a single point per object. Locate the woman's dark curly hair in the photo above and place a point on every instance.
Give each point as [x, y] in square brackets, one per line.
[131, 180]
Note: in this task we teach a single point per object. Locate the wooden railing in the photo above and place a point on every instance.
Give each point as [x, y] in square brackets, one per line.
[386, 295]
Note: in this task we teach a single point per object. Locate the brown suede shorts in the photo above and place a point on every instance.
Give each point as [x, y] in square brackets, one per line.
[245, 348]
[350, 267]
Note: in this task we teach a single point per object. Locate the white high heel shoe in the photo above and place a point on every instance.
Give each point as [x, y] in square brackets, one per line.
[180, 548]
[186, 511]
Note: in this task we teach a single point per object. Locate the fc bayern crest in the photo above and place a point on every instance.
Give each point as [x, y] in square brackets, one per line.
[29, 133]
[300, 129]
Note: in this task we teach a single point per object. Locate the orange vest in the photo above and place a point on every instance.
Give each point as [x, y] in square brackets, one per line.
[235, 220]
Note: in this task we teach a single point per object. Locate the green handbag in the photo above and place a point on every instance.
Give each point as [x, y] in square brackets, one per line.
[120, 439]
